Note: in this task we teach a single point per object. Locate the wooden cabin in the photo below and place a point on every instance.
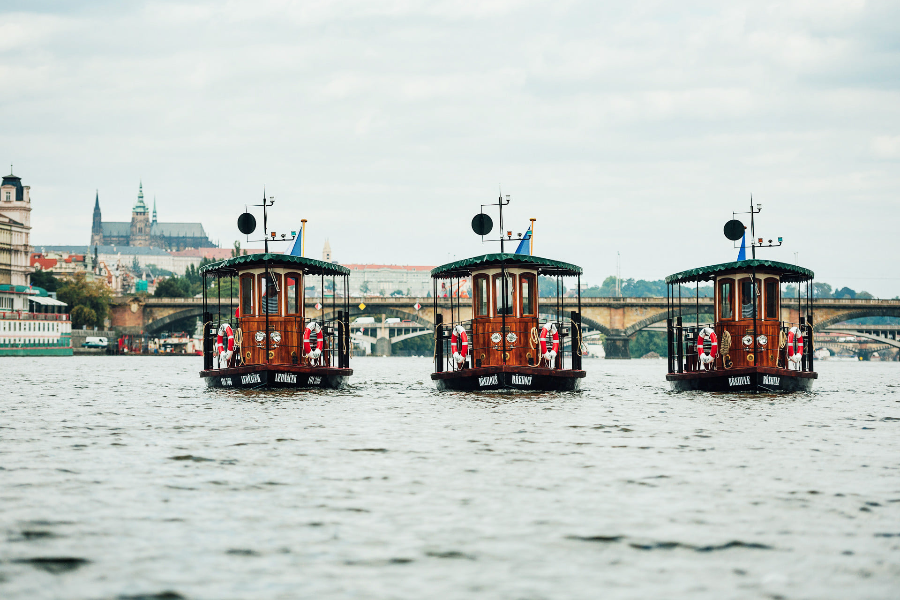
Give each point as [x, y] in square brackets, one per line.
[505, 315]
[271, 316]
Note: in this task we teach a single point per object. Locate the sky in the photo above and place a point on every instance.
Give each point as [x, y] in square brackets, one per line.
[630, 129]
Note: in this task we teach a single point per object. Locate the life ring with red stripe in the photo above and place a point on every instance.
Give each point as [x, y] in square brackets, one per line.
[707, 333]
[549, 331]
[459, 338]
[313, 328]
[795, 345]
[224, 344]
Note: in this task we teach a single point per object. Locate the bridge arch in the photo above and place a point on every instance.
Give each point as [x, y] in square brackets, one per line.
[157, 325]
[371, 311]
[855, 314]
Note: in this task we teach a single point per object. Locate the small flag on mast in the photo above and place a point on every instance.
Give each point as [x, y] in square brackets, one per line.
[742, 253]
[297, 246]
[525, 244]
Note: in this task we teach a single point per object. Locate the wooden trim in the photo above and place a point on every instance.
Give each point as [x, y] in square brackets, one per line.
[777, 315]
[718, 298]
[523, 278]
[248, 277]
[280, 296]
[487, 284]
[299, 284]
[740, 298]
[513, 282]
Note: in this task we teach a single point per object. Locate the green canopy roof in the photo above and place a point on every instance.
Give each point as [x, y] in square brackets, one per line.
[309, 266]
[545, 266]
[789, 273]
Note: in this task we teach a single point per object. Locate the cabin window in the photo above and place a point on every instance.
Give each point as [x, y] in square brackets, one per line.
[748, 293]
[481, 296]
[246, 295]
[771, 298]
[526, 284]
[726, 299]
[268, 292]
[504, 306]
[292, 293]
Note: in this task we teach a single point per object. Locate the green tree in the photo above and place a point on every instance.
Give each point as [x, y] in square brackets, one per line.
[364, 288]
[46, 280]
[236, 251]
[547, 287]
[173, 287]
[93, 296]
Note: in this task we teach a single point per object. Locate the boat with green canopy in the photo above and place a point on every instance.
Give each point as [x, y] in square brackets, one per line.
[504, 336]
[760, 339]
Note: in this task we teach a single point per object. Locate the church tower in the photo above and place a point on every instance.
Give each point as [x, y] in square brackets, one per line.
[140, 221]
[97, 226]
[154, 210]
[326, 252]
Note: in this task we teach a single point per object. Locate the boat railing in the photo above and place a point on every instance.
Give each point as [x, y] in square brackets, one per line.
[522, 345]
[684, 352]
[285, 341]
[21, 315]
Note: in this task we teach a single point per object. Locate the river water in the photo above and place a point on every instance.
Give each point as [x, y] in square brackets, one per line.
[122, 477]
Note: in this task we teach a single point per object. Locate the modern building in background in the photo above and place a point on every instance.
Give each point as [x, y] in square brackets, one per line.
[145, 231]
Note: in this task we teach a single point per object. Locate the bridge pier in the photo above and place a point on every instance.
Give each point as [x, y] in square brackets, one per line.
[616, 346]
[382, 347]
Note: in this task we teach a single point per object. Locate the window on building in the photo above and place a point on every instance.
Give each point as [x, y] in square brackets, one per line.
[772, 298]
[526, 283]
[246, 295]
[504, 294]
[726, 299]
[7, 196]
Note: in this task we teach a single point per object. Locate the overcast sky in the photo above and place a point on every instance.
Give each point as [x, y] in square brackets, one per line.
[621, 127]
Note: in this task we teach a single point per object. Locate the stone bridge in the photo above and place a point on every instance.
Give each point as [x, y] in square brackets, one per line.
[619, 319]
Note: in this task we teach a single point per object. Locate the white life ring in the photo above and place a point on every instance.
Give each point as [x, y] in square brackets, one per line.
[313, 327]
[459, 335]
[549, 330]
[224, 344]
[795, 345]
[707, 333]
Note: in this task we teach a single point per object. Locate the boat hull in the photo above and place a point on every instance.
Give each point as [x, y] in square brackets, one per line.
[277, 377]
[768, 380]
[505, 378]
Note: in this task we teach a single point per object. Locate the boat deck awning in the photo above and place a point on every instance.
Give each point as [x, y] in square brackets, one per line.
[545, 266]
[789, 273]
[308, 266]
[46, 301]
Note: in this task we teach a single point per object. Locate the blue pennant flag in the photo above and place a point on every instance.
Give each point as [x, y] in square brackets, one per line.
[297, 246]
[525, 244]
[742, 253]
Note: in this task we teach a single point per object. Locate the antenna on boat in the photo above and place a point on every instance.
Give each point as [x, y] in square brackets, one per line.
[482, 224]
[734, 230]
[247, 224]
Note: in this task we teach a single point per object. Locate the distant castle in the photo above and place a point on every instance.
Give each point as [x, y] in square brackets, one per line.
[144, 230]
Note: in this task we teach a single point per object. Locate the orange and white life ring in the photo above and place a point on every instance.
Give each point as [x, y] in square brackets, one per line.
[224, 344]
[459, 336]
[311, 328]
[707, 333]
[549, 330]
[795, 345]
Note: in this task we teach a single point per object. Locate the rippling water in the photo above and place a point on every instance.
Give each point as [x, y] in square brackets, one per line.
[123, 477]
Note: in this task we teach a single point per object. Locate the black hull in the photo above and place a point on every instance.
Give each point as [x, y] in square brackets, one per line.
[277, 377]
[495, 379]
[765, 380]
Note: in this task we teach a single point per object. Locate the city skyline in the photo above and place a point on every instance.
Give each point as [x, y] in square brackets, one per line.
[620, 129]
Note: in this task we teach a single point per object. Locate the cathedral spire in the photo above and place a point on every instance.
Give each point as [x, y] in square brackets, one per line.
[154, 209]
[97, 201]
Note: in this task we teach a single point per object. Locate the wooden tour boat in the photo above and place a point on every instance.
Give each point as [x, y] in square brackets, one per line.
[756, 344]
[272, 342]
[512, 341]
